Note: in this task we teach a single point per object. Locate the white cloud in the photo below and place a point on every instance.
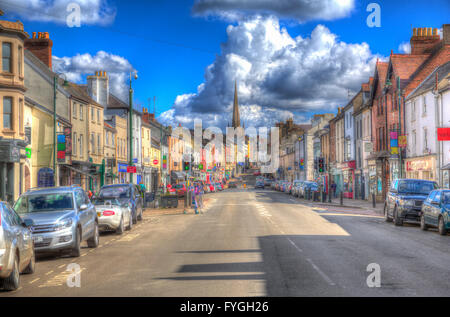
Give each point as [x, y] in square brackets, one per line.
[77, 67]
[299, 10]
[405, 48]
[93, 12]
[278, 76]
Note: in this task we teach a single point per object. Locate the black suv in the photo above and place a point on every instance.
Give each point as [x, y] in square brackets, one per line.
[405, 198]
[126, 194]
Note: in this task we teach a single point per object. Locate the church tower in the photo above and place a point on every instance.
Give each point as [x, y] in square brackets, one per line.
[236, 119]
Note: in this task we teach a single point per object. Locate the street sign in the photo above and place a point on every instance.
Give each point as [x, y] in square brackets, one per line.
[155, 162]
[443, 134]
[131, 169]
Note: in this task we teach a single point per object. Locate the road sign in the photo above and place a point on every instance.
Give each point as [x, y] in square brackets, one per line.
[131, 169]
[155, 162]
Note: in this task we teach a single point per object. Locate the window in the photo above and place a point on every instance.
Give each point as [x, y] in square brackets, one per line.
[92, 143]
[414, 142]
[424, 105]
[107, 138]
[92, 114]
[413, 111]
[98, 116]
[21, 115]
[99, 144]
[74, 143]
[6, 57]
[74, 110]
[81, 146]
[81, 112]
[19, 61]
[425, 139]
[7, 113]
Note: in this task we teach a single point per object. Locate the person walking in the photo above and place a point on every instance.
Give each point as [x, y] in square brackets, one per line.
[333, 189]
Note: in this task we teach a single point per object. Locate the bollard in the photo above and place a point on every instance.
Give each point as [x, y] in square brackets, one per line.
[373, 201]
[341, 197]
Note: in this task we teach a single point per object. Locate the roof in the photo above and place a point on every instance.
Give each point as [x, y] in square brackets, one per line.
[79, 92]
[429, 83]
[13, 26]
[404, 65]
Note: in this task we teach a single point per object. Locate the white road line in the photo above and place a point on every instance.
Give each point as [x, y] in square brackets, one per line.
[35, 280]
[325, 277]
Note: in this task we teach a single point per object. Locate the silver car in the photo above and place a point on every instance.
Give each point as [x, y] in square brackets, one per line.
[113, 215]
[63, 217]
[16, 248]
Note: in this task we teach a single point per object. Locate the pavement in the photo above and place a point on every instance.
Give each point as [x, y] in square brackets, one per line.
[251, 242]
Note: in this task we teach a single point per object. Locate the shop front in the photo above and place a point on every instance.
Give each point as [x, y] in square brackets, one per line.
[348, 179]
[421, 167]
[336, 177]
[122, 172]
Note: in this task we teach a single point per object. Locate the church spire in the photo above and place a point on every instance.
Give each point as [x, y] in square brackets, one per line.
[236, 119]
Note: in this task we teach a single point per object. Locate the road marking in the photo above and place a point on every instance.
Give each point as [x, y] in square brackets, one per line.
[295, 246]
[35, 280]
[61, 266]
[84, 254]
[349, 215]
[130, 237]
[48, 273]
[325, 277]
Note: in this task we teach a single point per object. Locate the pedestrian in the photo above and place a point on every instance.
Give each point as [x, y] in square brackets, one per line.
[333, 189]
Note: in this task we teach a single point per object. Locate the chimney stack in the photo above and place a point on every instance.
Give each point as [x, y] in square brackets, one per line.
[41, 47]
[98, 88]
[423, 40]
[446, 34]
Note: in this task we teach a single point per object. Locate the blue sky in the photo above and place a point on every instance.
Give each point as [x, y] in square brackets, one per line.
[170, 47]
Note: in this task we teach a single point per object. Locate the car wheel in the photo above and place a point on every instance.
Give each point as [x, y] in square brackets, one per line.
[442, 230]
[139, 217]
[76, 251]
[135, 217]
[397, 220]
[386, 214]
[130, 223]
[11, 283]
[93, 242]
[423, 225]
[31, 265]
[121, 227]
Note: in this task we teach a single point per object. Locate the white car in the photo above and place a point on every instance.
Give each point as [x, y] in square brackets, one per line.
[112, 215]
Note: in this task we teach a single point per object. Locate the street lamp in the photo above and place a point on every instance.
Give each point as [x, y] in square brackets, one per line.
[55, 85]
[131, 121]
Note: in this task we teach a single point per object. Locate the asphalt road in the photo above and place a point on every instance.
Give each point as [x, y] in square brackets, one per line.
[253, 243]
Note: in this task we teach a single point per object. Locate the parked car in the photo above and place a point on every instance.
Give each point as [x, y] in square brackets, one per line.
[435, 211]
[257, 173]
[113, 215]
[405, 198]
[16, 248]
[259, 184]
[308, 185]
[296, 187]
[63, 218]
[126, 194]
[268, 182]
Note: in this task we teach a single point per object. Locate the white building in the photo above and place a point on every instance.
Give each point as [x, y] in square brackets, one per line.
[426, 157]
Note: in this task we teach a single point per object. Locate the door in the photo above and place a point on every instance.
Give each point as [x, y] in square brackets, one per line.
[82, 214]
[91, 215]
[392, 196]
[426, 208]
[435, 209]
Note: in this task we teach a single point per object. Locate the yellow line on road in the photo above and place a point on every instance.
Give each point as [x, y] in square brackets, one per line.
[48, 273]
[35, 280]
[349, 215]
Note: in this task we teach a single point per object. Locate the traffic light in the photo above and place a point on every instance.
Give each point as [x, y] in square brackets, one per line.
[186, 166]
[321, 165]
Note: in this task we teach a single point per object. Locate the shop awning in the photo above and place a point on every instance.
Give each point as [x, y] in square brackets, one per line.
[446, 167]
[178, 175]
[78, 171]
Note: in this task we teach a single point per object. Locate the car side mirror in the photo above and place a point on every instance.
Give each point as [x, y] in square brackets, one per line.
[83, 207]
[27, 223]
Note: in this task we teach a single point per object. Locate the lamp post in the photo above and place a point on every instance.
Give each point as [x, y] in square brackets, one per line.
[131, 123]
[55, 86]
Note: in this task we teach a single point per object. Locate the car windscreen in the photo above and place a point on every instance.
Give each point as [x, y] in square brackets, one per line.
[446, 197]
[103, 201]
[115, 191]
[416, 187]
[44, 203]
